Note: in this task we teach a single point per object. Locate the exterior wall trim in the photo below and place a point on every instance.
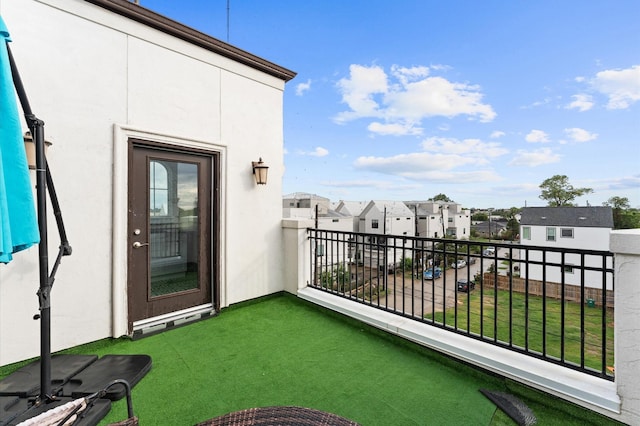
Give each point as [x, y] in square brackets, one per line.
[168, 26]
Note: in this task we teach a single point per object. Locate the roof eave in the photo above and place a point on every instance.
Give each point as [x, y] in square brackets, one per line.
[162, 23]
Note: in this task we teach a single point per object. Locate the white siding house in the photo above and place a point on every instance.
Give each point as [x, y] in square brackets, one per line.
[135, 103]
[353, 209]
[387, 218]
[436, 219]
[586, 228]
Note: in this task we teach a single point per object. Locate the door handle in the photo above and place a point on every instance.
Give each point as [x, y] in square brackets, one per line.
[138, 244]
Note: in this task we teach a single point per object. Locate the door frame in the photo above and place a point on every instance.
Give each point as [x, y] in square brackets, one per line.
[119, 260]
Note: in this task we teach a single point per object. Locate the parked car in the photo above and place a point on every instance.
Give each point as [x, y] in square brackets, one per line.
[489, 251]
[472, 260]
[466, 286]
[432, 273]
[459, 264]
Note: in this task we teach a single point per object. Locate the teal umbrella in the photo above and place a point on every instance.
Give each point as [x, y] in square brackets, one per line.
[18, 222]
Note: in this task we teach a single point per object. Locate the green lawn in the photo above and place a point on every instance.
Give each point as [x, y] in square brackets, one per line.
[511, 317]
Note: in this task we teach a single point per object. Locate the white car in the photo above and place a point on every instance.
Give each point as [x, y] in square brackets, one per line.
[459, 264]
[489, 251]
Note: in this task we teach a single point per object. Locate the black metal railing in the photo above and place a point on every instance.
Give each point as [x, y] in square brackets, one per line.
[554, 304]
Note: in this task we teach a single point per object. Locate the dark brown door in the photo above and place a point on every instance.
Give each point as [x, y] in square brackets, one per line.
[170, 230]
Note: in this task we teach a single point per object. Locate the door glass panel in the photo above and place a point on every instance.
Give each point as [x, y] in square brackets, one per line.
[173, 211]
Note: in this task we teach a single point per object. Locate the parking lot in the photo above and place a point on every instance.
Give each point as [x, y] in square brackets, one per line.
[416, 296]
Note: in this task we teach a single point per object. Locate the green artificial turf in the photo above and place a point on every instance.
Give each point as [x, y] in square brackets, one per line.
[283, 351]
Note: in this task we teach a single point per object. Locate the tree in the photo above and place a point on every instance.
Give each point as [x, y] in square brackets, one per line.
[441, 197]
[624, 217]
[617, 203]
[558, 192]
[480, 217]
[513, 225]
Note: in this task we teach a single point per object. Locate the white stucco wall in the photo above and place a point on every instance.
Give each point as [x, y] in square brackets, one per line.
[96, 78]
[626, 245]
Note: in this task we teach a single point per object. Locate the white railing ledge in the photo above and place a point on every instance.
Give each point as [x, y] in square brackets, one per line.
[591, 392]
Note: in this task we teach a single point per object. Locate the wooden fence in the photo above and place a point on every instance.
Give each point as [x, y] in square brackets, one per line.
[592, 296]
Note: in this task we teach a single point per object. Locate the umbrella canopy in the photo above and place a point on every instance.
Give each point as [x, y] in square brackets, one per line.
[18, 222]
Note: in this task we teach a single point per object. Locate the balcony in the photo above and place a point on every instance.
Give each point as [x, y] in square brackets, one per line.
[281, 350]
[599, 372]
[390, 360]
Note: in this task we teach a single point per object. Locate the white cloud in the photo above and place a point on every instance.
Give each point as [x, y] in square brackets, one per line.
[426, 166]
[537, 136]
[580, 135]
[407, 96]
[436, 96]
[497, 134]
[581, 102]
[622, 87]
[303, 87]
[475, 148]
[438, 161]
[318, 152]
[358, 92]
[624, 183]
[406, 75]
[366, 183]
[395, 129]
[534, 158]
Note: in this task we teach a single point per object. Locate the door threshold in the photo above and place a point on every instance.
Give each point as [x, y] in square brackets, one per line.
[149, 326]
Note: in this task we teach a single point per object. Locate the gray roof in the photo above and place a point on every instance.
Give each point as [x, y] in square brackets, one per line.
[303, 196]
[393, 208]
[585, 217]
[334, 214]
[354, 208]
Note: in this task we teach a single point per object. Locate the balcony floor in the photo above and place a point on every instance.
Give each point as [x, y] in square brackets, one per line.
[281, 350]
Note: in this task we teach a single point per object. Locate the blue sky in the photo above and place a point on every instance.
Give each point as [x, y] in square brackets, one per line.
[479, 100]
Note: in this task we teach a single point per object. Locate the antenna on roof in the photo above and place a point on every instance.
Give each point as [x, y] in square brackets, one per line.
[228, 1]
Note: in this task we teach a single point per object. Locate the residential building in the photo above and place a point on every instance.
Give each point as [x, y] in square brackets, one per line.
[436, 219]
[305, 206]
[353, 209]
[390, 220]
[387, 218]
[303, 201]
[490, 229]
[566, 228]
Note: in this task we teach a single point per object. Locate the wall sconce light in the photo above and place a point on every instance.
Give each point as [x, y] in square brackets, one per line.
[260, 171]
[30, 149]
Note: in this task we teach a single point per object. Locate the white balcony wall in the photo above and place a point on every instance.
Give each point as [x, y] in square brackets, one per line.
[96, 77]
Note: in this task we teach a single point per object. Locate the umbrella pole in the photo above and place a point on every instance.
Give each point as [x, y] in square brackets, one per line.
[37, 130]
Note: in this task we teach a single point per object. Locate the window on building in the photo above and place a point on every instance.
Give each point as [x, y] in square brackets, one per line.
[526, 232]
[450, 220]
[374, 223]
[551, 234]
[566, 232]
[334, 220]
